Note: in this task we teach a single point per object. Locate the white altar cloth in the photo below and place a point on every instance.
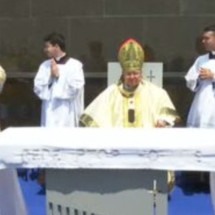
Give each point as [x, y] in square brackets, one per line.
[108, 148]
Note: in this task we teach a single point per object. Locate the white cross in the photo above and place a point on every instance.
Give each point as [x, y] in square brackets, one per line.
[150, 76]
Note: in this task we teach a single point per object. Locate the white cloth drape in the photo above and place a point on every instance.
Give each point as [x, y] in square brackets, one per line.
[11, 199]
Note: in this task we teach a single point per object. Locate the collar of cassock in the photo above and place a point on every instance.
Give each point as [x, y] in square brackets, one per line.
[62, 60]
[127, 93]
[211, 55]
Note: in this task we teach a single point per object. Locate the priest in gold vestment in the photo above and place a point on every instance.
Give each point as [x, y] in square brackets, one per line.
[2, 78]
[133, 101]
[11, 198]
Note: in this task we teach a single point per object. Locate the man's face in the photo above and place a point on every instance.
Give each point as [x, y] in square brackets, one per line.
[50, 50]
[132, 79]
[208, 40]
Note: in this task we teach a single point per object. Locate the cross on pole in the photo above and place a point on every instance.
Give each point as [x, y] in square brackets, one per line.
[154, 193]
[150, 76]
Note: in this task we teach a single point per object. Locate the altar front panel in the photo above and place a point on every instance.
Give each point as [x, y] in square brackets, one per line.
[106, 192]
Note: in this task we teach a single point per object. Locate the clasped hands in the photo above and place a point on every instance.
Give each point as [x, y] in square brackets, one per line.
[206, 74]
[54, 69]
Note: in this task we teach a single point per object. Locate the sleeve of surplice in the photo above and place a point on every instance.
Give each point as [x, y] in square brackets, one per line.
[42, 82]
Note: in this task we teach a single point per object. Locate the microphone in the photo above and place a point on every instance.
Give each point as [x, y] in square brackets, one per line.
[131, 111]
[131, 115]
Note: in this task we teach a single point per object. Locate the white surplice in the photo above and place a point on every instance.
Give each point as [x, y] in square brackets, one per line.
[11, 198]
[62, 98]
[202, 111]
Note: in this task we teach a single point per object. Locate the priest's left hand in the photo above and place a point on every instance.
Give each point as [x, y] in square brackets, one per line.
[206, 74]
[161, 124]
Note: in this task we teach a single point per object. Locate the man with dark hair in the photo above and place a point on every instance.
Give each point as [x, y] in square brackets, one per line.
[201, 80]
[59, 83]
[55, 38]
[209, 28]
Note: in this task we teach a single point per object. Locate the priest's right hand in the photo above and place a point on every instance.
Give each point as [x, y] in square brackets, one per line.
[54, 69]
[161, 124]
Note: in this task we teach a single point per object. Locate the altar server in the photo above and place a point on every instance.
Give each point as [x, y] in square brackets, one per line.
[201, 80]
[59, 83]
